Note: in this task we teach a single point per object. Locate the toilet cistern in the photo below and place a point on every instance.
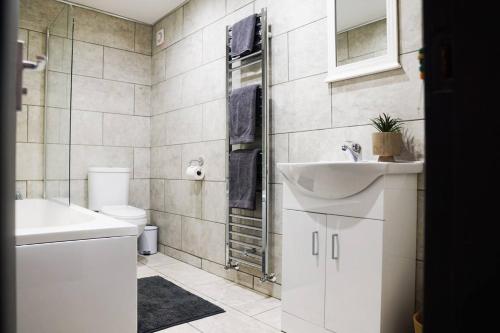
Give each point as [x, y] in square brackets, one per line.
[354, 149]
[108, 192]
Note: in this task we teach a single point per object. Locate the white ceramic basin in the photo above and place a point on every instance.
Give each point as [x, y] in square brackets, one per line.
[335, 180]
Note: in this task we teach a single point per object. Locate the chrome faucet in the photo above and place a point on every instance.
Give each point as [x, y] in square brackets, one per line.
[354, 149]
[19, 195]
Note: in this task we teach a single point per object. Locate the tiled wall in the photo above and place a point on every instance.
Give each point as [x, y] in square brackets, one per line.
[155, 122]
[111, 101]
[310, 119]
[366, 41]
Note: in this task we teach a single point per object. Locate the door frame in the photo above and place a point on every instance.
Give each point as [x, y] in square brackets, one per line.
[462, 251]
[8, 60]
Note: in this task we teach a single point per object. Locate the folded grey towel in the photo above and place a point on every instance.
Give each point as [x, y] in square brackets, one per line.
[243, 35]
[243, 178]
[242, 112]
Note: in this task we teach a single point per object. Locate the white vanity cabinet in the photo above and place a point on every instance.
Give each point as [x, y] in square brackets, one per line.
[353, 276]
[348, 261]
[304, 274]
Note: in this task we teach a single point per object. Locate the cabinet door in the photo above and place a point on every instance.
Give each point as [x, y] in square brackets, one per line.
[353, 275]
[304, 249]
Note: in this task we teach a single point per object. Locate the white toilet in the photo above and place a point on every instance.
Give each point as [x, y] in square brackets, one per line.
[108, 194]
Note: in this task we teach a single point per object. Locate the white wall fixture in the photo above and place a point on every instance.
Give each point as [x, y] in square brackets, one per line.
[160, 37]
[349, 253]
[362, 38]
[195, 169]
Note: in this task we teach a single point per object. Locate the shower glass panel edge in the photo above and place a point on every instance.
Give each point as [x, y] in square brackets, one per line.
[57, 111]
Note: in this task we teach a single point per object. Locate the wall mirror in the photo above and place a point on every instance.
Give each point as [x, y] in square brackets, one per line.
[362, 38]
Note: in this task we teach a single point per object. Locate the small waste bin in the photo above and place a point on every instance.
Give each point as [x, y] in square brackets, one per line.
[148, 241]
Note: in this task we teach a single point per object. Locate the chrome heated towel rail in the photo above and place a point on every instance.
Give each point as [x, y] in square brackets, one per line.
[247, 242]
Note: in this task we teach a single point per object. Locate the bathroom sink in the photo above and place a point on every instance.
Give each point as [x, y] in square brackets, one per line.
[336, 180]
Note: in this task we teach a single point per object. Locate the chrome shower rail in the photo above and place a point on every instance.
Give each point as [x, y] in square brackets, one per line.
[241, 238]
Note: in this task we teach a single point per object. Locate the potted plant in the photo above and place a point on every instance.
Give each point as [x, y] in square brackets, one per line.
[387, 142]
[417, 322]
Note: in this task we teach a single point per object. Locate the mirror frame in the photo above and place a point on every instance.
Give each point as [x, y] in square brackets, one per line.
[383, 63]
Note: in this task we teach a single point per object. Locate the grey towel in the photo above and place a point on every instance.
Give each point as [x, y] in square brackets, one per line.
[243, 178]
[243, 36]
[242, 111]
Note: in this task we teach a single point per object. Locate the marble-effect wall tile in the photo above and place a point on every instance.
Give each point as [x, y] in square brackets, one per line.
[139, 190]
[158, 194]
[142, 100]
[184, 55]
[184, 126]
[183, 197]
[410, 25]
[301, 105]
[103, 29]
[307, 49]
[232, 5]
[166, 162]
[29, 161]
[143, 38]
[279, 59]
[194, 87]
[86, 127]
[88, 59]
[169, 228]
[158, 67]
[192, 230]
[38, 14]
[124, 130]
[214, 120]
[60, 54]
[367, 39]
[167, 95]
[286, 15]
[37, 45]
[213, 234]
[84, 156]
[79, 192]
[127, 66]
[57, 162]
[158, 134]
[214, 201]
[398, 93]
[34, 189]
[102, 95]
[142, 163]
[198, 13]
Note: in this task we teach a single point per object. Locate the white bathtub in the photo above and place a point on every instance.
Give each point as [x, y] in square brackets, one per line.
[76, 270]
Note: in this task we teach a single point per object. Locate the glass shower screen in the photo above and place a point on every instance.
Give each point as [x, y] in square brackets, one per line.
[58, 80]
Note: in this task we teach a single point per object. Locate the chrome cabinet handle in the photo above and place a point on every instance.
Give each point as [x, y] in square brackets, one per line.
[315, 243]
[335, 246]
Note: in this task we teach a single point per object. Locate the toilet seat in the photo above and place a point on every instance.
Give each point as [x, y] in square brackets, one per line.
[128, 214]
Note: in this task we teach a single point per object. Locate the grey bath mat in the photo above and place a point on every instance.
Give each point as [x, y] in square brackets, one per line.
[162, 304]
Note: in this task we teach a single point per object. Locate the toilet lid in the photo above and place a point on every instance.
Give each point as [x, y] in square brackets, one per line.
[124, 212]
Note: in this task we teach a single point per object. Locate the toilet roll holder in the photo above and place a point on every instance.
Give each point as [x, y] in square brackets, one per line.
[199, 162]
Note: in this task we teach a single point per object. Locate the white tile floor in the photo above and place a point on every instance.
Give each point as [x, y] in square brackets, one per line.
[246, 310]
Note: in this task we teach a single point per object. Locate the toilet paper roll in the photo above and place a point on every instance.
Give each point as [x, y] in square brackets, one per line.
[195, 173]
